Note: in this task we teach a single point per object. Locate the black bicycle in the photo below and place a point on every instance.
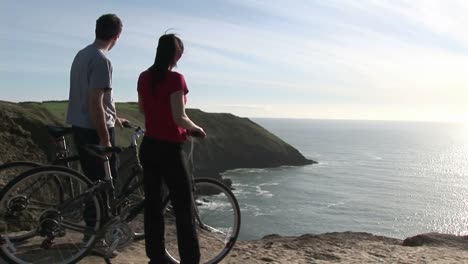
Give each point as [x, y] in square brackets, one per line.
[60, 155]
[62, 188]
[47, 224]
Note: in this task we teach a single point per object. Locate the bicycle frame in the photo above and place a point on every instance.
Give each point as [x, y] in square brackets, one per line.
[113, 201]
[103, 187]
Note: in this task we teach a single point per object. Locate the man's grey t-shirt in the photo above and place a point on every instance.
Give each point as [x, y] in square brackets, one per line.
[91, 70]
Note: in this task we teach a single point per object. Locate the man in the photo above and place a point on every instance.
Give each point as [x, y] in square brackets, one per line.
[91, 108]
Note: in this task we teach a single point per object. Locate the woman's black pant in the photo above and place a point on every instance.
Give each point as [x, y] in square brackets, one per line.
[164, 162]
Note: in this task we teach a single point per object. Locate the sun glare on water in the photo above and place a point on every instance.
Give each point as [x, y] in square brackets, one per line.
[464, 134]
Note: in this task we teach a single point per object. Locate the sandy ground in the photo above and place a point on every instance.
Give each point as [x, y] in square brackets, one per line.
[345, 247]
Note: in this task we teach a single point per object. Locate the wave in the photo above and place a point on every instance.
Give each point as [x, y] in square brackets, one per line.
[244, 171]
[335, 204]
[269, 184]
[264, 193]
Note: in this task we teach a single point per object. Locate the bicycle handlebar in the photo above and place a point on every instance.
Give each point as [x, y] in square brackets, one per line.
[127, 124]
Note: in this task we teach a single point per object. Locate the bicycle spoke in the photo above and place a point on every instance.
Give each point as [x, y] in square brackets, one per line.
[42, 183]
[38, 231]
[38, 203]
[212, 229]
[78, 228]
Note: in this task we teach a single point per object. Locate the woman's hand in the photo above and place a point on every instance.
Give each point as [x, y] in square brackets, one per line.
[197, 132]
[120, 122]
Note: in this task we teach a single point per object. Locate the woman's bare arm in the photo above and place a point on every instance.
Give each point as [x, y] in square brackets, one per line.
[178, 113]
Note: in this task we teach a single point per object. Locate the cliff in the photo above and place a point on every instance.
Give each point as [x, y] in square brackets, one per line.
[22, 132]
[235, 142]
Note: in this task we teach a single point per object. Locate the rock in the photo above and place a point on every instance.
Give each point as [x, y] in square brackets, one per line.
[437, 239]
[271, 236]
[267, 259]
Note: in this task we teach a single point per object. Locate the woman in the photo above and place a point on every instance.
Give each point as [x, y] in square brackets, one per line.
[162, 97]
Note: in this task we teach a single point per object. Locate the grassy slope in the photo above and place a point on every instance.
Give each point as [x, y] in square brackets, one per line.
[126, 110]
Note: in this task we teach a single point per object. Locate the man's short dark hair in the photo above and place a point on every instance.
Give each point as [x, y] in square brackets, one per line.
[108, 26]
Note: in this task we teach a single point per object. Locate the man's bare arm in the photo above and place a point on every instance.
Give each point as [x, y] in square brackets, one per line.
[96, 110]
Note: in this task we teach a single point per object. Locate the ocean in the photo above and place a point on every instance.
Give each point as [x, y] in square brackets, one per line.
[396, 179]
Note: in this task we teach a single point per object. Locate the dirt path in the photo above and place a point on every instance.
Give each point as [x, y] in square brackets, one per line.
[346, 247]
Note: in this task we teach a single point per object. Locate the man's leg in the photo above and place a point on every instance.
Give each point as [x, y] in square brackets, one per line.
[92, 166]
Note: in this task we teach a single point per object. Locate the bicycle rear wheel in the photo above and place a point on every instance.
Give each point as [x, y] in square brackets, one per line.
[52, 217]
[217, 221]
[10, 170]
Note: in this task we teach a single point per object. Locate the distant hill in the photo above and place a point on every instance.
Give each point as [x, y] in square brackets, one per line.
[232, 142]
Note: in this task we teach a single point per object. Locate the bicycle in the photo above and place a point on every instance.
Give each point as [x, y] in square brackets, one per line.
[10, 170]
[130, 172]
[58, 221]
[61, 155]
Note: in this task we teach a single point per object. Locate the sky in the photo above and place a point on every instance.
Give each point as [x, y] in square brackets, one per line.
[324, 59]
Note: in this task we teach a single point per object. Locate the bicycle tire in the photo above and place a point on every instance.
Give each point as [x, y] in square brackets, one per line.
[218, 221]
[135, 205]
[10, 170]
[129, 185]
[56, 216]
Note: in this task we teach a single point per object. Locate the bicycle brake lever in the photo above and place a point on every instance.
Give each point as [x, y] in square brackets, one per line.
[127, 124]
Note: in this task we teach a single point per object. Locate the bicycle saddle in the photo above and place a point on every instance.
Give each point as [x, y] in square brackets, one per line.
[58, 131]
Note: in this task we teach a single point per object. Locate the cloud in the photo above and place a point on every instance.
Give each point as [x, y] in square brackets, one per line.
[346, 55]
[250, 107]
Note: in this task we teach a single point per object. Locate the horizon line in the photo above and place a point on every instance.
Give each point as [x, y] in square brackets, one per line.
[279, 117]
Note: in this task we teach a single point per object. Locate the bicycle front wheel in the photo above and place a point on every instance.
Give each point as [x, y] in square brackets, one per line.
[52, 217]
[217, 221]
